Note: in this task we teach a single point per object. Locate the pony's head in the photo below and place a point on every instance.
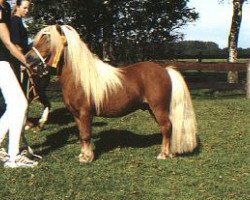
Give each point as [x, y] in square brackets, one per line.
[96, 78]
[48, 47]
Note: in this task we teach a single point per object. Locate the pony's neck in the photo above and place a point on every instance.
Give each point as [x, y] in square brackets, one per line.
[98, 79]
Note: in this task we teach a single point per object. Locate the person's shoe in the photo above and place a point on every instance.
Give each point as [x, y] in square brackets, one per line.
[21, 161]
[3, 155]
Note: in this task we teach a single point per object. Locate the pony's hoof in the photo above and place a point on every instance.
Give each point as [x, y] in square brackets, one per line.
[86, 157]
[163, 156]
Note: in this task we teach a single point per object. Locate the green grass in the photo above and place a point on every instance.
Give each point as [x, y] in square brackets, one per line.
[126, 166]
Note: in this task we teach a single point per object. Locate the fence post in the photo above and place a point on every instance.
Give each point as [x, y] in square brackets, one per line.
[248, 80]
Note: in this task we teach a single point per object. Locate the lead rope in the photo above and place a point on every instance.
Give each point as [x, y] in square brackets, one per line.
[32, 87]
[29, 151]
[29, 72]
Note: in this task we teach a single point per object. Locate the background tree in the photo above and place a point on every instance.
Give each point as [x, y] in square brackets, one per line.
[128, 26]
[233, 36]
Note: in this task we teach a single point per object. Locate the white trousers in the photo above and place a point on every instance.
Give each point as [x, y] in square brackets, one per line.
[14, 117]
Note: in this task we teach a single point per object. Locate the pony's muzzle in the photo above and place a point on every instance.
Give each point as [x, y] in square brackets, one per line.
[32, 59]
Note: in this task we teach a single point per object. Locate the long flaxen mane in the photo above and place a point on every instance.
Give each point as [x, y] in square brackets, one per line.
[98, 79]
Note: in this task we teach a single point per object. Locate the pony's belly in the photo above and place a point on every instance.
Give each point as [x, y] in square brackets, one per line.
[114, 111]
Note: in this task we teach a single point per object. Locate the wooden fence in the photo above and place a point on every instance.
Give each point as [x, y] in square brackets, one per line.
[200, 75]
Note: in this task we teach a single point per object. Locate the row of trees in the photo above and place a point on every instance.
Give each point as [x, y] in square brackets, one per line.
[174, 50]
[201, 49]
[122, 26]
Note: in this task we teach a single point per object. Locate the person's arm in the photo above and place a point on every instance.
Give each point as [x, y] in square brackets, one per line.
[19, 48]
[5, 37]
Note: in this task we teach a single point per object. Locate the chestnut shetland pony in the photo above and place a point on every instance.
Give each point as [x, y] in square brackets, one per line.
[91, 88]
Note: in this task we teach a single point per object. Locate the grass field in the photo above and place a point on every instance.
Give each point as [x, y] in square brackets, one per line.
[126, 166]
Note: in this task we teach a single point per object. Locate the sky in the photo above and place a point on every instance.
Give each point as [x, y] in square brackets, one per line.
[214, 23]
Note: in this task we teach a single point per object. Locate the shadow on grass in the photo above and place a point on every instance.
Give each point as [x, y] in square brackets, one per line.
[105, 141]
[61, 138]
[60, 116]
[109, 140]
[57, 140]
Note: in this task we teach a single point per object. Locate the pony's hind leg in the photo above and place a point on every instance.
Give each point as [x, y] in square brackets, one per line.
[84, 125]
[165, 124]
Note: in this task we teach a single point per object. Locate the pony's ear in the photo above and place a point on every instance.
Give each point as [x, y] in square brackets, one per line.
[64, 40]
[59, 29]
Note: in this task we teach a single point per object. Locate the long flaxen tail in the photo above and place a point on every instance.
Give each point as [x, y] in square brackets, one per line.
[182, 116]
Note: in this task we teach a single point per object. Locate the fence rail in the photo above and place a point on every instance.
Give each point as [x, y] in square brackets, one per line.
[207, 66]
[201, 81]
[212, 67]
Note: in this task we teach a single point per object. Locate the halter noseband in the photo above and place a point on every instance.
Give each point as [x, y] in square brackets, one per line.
[39, 55]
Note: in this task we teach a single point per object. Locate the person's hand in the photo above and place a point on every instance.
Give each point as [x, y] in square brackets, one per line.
[26, 65]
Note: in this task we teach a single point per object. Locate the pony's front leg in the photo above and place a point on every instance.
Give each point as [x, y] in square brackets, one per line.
[84, 125]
